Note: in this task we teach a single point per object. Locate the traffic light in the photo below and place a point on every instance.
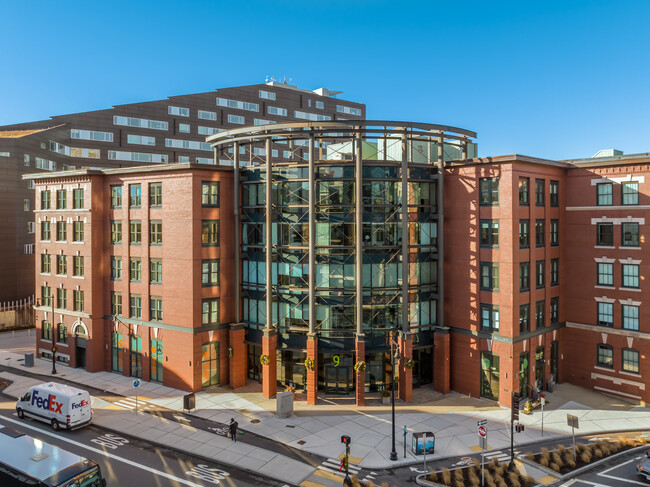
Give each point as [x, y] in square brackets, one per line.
[519, 428]
[514, 415]
[345, 439]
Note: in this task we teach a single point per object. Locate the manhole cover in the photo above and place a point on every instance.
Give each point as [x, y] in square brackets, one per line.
[301, 442]
[290, 426]
[255, 421]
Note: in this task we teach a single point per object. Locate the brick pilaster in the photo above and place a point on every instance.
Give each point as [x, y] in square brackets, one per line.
[441, 361]
[270, 371]
[238, 359]
[360, 355]
[405, 343]
[312, 375]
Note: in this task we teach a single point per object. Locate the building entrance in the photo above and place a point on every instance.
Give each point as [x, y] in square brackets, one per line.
[335, 373]
[539, 369]
[81, 352]
[555, 360]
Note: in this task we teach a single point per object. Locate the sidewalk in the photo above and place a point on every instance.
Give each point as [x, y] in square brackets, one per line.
[317, 429]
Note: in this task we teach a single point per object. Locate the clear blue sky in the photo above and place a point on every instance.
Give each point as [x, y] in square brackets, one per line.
[554, 79]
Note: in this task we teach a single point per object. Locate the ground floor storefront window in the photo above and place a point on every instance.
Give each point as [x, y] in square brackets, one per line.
[524, 371]
[210, 364]
[490, 376]
[254, 365]
[156, 360]
[291, 369]
[136, 356]
[116, 352]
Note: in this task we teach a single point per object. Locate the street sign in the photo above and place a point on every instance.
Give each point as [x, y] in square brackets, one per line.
[482, 431]
[483, 443]
[136, 383]
[572, 421]
[482, 422]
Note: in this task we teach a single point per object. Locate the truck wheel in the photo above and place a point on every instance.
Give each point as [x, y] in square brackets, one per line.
[55, 425]
[20, 413]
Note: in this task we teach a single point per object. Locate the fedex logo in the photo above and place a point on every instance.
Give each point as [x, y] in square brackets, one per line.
[49, 404]
[80, 405]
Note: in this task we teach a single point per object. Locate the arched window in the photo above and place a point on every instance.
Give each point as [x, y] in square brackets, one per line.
[605, 355]
[631, 360]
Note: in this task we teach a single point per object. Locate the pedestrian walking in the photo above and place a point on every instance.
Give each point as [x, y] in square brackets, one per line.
[232, 428]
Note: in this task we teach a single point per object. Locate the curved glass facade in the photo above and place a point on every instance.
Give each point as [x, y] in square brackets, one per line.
[354, 236]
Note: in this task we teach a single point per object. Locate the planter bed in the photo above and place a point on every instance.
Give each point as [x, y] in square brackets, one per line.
[496, 475]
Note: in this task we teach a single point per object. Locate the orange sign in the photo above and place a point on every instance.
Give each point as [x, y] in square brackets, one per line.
[153, 350]
[119, 343]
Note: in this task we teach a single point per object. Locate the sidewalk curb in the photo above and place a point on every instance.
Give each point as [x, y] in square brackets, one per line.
[594, 464]
[194, 454]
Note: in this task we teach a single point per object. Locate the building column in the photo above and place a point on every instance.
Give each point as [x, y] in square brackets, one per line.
[270, 371]
[405, 343]
[441, 362]
[237, 355]
[312, 375]
[360, 376]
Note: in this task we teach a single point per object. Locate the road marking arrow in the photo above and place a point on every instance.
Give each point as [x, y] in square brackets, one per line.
[181, 418]
[413, 469]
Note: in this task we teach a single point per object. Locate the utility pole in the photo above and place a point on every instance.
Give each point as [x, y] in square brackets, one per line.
[514, 416]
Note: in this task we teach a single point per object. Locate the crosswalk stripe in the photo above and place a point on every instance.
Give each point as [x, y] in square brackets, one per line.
[337, 465]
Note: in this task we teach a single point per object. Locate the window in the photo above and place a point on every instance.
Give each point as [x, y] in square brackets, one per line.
[155, 271]
[605, 234]
[539, 192]
[155, 232]
[489, 317]
[320, 105]
[181, 112]
[78, 234]
[61, 231]
[140, 140]
[489, 191]
[267, 95]
[630, 193]
[61, 333]
[210, 233]
[155, 309]
[524, 318]
[46, 263]
[77, 199]
[188, 144]
[184, 128]
[91, 135]
[489, 233]
[605, 355]
[239, 105]
[539, 233]
[135, 195]
[524, 234]
[604, 192]
[606, 314]
[26, 204]
[135, 306]
[540, 280]
[539, 314]
[45, 200]
[238, 119]
[489, 276]
[78, 297]
[61, 199]
[135, 232]
[207, 115]
[210, 272]
[46, 296]
[524, 276]
[45, 231]
[61, 265]
[631, 275]
[605, 274]
[282, 112]
[630, 317]
[630, 234]
[140, 122]
[554, 193]
[555, 233]
[555, 311]
[136, 156]
[210, 193]
[524, 191]
[348, 110]
[210, 311]
[116, 303]
[135, 269]
[201, 130]
[116, 231]
[62, 298]
[631, 360]
[116, 196]
[116, 268]
[155, 194]
[78, 266]
[46, 330]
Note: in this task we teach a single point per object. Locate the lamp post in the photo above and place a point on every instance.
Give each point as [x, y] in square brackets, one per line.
[53, 358]
[394, 355]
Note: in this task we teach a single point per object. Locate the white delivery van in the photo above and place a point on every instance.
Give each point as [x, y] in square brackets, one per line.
[60, 405]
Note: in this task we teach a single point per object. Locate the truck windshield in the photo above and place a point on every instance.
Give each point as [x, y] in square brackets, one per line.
[90, 478]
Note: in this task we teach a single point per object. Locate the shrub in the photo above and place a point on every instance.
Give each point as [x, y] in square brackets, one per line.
[459, 483]
[544, 461]
[585, 456]
[433, 476]
[446, 476]
[513, 479]
[490, 483]
[598, 453]
[495, 462]
[501, 483]
[473, 478]
[555, 466]
[561, 449]
[555, 458]
[530, 456]
[458, 475]
[581, 447]
[570, 463]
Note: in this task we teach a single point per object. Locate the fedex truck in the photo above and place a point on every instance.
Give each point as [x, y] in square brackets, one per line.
[60, 405]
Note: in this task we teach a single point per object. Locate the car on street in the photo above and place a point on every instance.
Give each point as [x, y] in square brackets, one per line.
[643, 467]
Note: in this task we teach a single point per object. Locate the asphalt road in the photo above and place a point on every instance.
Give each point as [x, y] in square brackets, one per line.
[128, 462]
[615, 473]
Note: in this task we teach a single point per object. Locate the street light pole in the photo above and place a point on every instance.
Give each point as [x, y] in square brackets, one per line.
[394, 354]
[52, 330]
